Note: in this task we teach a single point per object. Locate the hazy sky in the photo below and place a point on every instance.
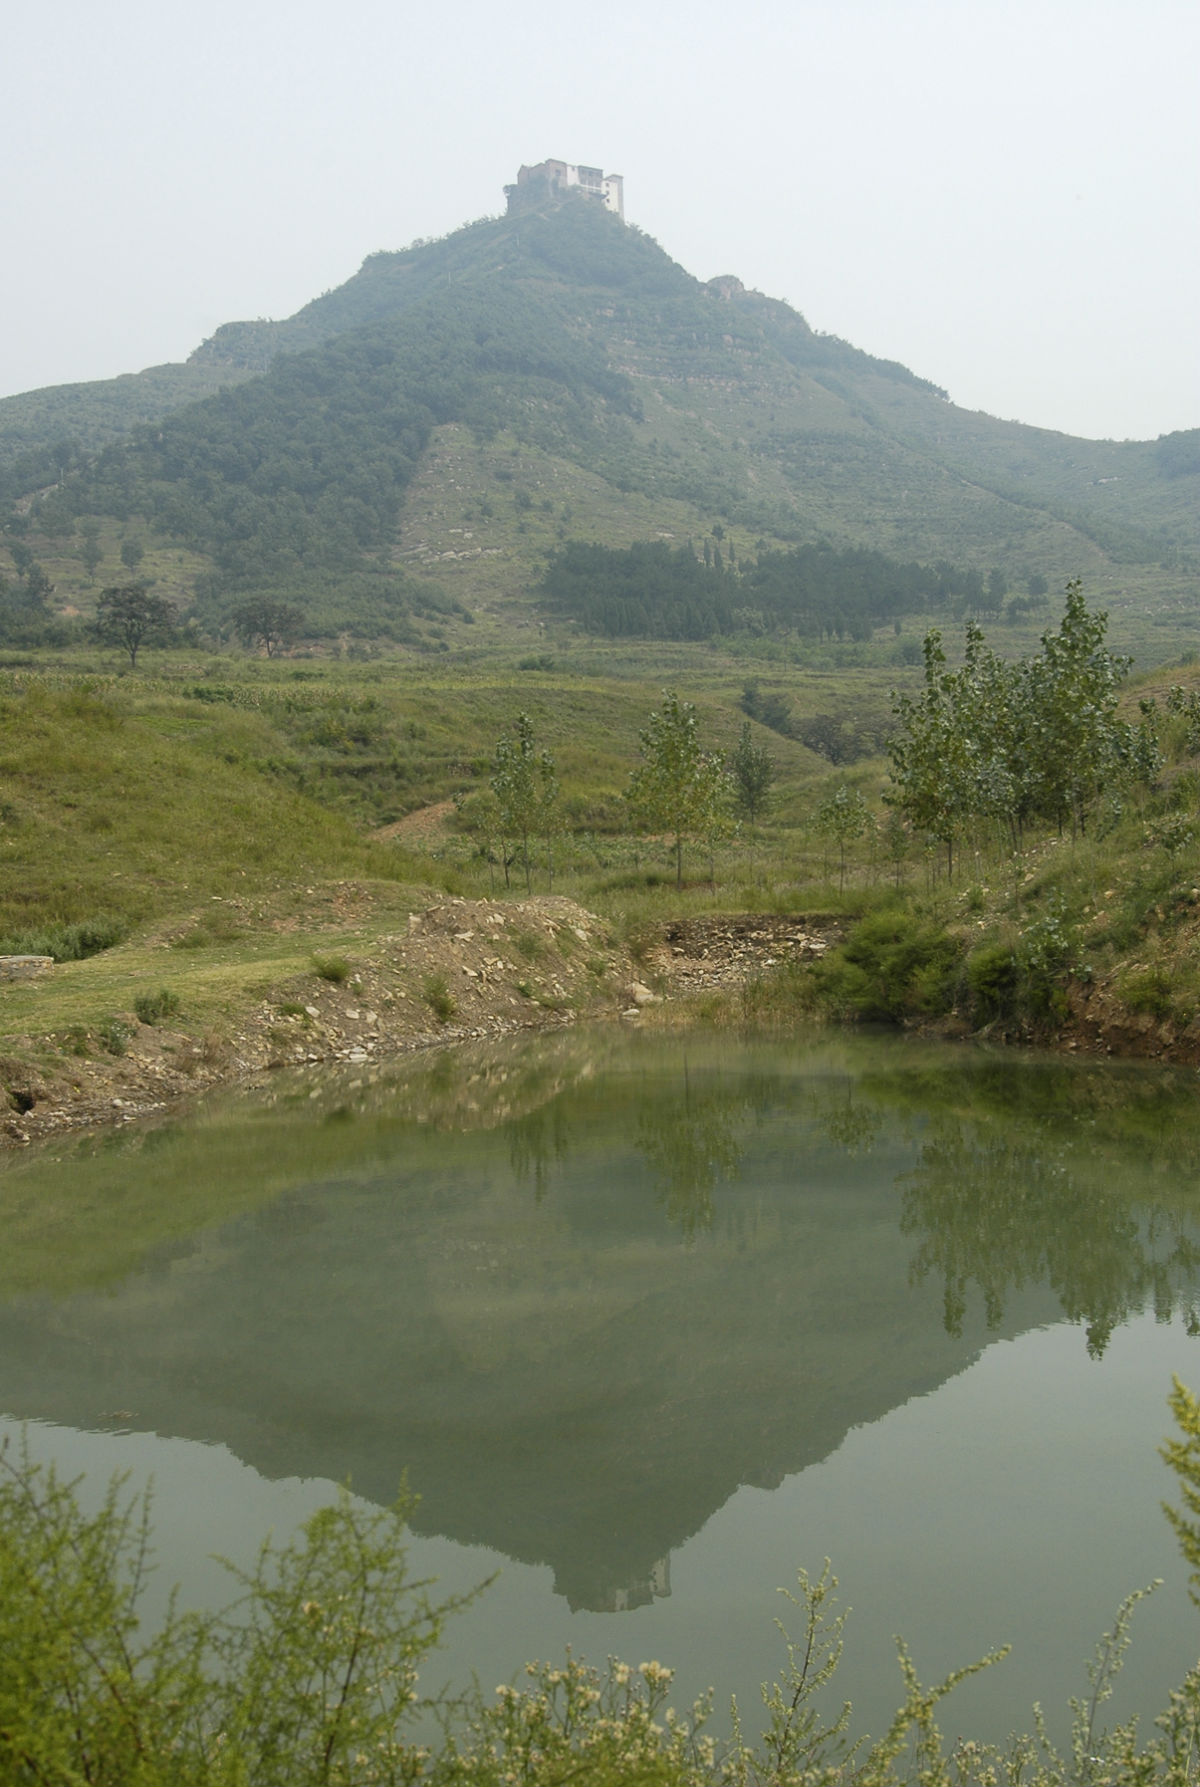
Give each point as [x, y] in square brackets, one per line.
[1004, 197]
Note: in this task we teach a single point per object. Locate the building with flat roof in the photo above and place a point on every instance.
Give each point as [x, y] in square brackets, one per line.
[553, 179]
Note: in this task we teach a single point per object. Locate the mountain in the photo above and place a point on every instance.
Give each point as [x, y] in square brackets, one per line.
[409, 448]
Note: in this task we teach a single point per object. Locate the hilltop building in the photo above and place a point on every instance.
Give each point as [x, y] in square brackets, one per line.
[551, 179]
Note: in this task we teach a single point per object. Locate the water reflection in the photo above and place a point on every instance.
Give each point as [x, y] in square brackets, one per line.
[582, 1289]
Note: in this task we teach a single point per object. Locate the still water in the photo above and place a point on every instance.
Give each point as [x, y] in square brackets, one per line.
[648, 1325]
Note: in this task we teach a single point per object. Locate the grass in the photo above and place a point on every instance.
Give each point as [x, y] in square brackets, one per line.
[207, 987]
[335, 969]
[214, 850]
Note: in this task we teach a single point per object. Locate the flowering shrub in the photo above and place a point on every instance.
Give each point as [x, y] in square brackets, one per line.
[311, 1678]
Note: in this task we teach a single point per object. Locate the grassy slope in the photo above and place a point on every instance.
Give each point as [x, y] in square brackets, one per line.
[138, 808]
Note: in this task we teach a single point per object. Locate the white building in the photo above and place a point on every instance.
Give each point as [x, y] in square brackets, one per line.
[549, 178]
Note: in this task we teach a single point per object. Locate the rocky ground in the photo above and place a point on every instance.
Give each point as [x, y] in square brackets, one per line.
[460, 970]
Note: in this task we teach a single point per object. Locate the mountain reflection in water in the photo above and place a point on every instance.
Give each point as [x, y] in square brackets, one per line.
[580, 1289]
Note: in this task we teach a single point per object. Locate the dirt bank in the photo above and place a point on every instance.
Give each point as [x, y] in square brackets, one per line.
[460, 970]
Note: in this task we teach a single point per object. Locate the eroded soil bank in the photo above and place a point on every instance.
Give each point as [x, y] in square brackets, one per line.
[470, 970]
[460, 970]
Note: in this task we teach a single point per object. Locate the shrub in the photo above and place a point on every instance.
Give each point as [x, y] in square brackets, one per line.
[313, 1670]
[894, 965]
[332, 968]
[435, 991]
[67, 942]
[1047, 957]
[1149, 990]
[992, 981]
[151, 1008]
[114, 1034]
[311, 1676]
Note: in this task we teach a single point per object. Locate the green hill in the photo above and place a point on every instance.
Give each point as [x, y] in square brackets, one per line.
[402, 455]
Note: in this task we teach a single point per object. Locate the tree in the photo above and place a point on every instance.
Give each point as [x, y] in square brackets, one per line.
[268, 623]
[525, 786]
[678, 787]
[843, 817]
[130, 616]
[132, 552]
[752, 769]
[1076, 741]
[91, 552]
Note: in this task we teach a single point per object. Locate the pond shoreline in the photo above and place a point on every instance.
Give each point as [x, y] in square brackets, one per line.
[462, 971]
[466, 971]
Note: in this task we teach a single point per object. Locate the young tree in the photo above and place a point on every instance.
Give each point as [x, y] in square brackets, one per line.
[752, 769]
[525, 786]
[842, 816]
[1076, 740]
[929, 774]
[678, 787]
[91, 552]
[130, 616]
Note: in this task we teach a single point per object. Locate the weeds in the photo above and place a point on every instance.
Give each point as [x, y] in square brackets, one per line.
[313, 1675]
[435, 990]
[335, 969]
[67, 942]
[152, 1008]
[114, 1036]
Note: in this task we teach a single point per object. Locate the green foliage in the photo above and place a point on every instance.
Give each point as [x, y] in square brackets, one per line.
[335, 969]
[152, 1008]
[309, 1679]
[67, 942]
[1047, 954]
[678, 787]
[114, 1034]
[893, 966]
[1001, 744]
[268, 623]
[1183, 1455]
[435, 990]
[992, 981]
[653, 591]
[130, 615]
[842, 816]
[752, 770]
[524, 788]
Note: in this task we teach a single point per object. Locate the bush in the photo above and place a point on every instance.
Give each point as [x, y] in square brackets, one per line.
[332, 968]
[310, 1674]
[1047, 958]
[114, 1034]
[894, 965]
[435, 990]
[992, 981]
[151, 1008]
[68, 942]
[310, 1678]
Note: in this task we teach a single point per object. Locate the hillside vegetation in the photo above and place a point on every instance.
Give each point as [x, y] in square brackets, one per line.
[400, 457]
[515, 504]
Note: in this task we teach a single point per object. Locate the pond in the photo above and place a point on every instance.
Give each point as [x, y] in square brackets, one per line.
[648, 1324]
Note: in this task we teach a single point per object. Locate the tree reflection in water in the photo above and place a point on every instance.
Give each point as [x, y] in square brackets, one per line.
[1010, 1198]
